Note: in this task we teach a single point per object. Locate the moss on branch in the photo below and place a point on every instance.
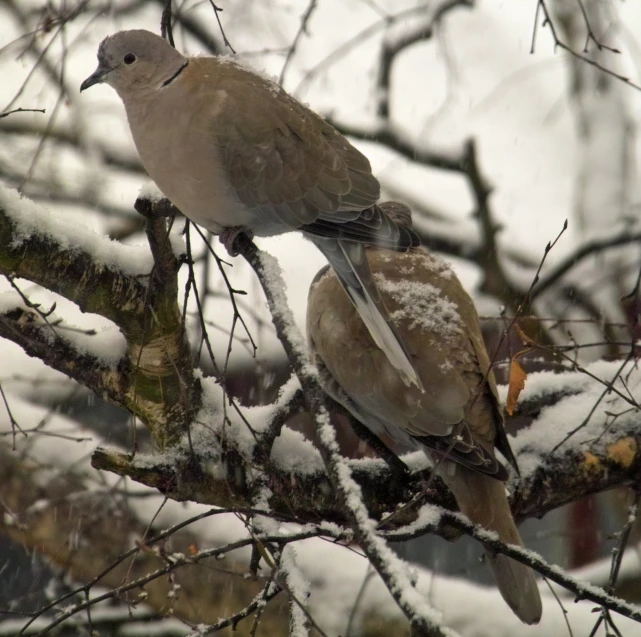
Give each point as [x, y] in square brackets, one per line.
[155, 379]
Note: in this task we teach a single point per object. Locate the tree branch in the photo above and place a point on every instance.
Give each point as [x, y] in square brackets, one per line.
[25, 328]
[65, 267]
[422, 617]
[559, 479]
[155, 380]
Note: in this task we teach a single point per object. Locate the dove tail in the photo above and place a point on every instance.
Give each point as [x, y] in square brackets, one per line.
[483, 500]
[349, 261]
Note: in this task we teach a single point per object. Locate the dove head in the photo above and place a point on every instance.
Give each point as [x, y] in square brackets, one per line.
[135, 61]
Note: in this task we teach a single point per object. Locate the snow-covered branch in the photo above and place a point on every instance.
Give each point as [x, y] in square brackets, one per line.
[552, 476]
[102, 276]
[425, 621]
[467, 130]
[151, 375]
[555, 479]
[83, 361]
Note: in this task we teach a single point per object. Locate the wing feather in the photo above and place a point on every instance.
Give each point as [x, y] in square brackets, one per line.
[288, 155]
[458, 416]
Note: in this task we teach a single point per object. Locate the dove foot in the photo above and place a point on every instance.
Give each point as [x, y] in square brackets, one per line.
[230, 237]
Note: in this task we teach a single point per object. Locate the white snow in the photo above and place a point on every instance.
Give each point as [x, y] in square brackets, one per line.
[401, 580]
[105, 343]
[298, 589]
[273, 276]
[598, 573]
[334, 573]
[31, 218]
[150, 190]
[424, 305]
[590, 409]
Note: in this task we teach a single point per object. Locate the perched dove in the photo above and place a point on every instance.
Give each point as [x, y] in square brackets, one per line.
[233, 151]
[457, 417]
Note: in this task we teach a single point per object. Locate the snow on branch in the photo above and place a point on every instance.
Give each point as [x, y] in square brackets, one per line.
[425, 621]
[38, 510]
[238, 458]
[40, 513]
[101, 276]
[78, 254]
[56, 349]
[175, 557]
[153, 379]
[298, 589]
[580, 588]
[604, 453]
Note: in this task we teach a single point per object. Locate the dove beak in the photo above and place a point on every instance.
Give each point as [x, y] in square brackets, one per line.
[97, 77]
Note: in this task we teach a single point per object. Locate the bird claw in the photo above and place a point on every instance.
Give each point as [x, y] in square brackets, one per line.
[230, 238]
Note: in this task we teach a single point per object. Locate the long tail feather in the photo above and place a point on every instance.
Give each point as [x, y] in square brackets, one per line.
[349, 261]
[483, 500]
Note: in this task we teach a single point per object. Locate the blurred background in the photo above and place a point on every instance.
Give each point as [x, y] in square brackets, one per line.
[496, 121]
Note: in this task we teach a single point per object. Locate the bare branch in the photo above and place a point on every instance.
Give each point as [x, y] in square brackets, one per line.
[299, 34]
[394, 43]
[23, 110]
[582, 57]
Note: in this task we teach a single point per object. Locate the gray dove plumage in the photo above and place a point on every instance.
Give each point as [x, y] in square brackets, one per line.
[457, 419]
[232, 150]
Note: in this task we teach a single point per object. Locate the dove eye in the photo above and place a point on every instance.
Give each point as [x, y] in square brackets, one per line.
[129, 58]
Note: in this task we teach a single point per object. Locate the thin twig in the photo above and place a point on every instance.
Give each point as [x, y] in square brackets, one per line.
[548, 22]
[12, 421]
[218, 10]
[299, 34]
[23, 110]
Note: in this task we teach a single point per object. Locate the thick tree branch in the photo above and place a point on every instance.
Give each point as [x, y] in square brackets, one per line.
[559, 479]
[50, 260]
[298, 497]
[155, 379]
[146, 392]
[27, 329]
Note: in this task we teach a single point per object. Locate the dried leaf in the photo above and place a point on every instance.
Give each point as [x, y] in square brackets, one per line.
[526, 340]
[517, 383]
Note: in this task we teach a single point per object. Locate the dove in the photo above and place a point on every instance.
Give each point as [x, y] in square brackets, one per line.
[457, 419]
[234, 152]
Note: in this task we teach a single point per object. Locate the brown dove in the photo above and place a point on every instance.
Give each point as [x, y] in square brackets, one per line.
[233, 151]
[457, 418]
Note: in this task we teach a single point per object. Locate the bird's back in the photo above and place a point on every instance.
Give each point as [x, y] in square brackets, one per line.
[255, 156]
[439, 325]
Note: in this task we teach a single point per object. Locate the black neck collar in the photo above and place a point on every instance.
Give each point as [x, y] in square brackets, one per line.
[175, 75]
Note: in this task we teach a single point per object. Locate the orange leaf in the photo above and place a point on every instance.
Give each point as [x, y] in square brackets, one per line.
[523, 336]
[517, 383]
